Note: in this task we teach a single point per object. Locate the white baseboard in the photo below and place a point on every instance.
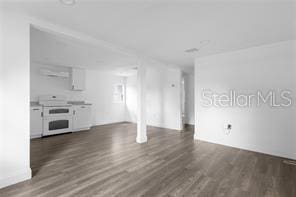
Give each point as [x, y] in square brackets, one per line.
[282, 155]
[165, 127]
[81, 129]
[33, 136]
[159, 126]
[17, 177]
[141, 139]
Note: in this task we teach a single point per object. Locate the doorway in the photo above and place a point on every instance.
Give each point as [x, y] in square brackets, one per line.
[187, 98]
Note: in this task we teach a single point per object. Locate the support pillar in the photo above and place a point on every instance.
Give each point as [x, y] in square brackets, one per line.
[141, 105]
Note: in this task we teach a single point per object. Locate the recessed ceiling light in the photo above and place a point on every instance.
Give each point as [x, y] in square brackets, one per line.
[192, 50]
[68, 2]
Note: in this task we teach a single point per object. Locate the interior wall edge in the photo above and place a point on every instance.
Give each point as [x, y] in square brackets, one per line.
[19, 176]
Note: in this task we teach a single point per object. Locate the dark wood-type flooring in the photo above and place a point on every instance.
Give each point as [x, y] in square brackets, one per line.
[107, 161]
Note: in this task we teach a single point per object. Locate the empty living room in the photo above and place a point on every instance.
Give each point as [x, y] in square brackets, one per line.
[130, 98]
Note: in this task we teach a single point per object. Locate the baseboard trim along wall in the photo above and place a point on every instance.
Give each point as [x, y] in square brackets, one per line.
[33, 136]
[282, 155]
[156, 126]
[16, 178]
[111, 123]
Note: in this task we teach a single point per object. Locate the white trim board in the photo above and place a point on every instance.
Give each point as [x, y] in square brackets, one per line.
[252, 149]
[19, 176]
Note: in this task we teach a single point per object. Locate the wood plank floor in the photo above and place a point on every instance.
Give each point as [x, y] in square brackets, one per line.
[106, 161]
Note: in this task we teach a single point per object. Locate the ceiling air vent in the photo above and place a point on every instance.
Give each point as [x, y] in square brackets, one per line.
[192, 50]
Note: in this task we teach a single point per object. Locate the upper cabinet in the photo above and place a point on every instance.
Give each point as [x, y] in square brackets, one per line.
[77, 79]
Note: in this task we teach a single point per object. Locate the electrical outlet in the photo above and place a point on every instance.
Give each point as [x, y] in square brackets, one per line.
[227, 128]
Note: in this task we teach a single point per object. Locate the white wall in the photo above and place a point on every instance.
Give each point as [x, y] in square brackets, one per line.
[14, 92]
[189, 98]
[40, 84]
[262, 129]
[98, 91]
[131, 98]
[162, 100]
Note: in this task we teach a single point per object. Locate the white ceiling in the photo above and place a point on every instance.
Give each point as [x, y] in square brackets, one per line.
[163, 30]
[58, 50]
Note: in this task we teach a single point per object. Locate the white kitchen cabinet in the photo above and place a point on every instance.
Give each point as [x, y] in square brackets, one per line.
[81, 117]
[77, 79]
[36, 121]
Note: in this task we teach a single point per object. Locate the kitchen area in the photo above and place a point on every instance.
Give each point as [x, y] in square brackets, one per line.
[54, 114]
[74, 85]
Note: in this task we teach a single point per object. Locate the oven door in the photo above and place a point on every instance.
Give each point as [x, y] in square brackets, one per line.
[57, 111]
[56, 125]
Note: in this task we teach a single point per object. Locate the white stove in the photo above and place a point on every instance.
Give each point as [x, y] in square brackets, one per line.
[57, 114]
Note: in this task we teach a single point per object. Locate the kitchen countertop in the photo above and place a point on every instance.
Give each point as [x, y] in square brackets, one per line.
[36, 104]
[78, 103]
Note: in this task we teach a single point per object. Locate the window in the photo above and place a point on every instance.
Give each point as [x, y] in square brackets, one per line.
[118, 93]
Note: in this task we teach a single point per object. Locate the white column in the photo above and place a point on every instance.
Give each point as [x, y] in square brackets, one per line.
[141, 105]
[196, 110]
